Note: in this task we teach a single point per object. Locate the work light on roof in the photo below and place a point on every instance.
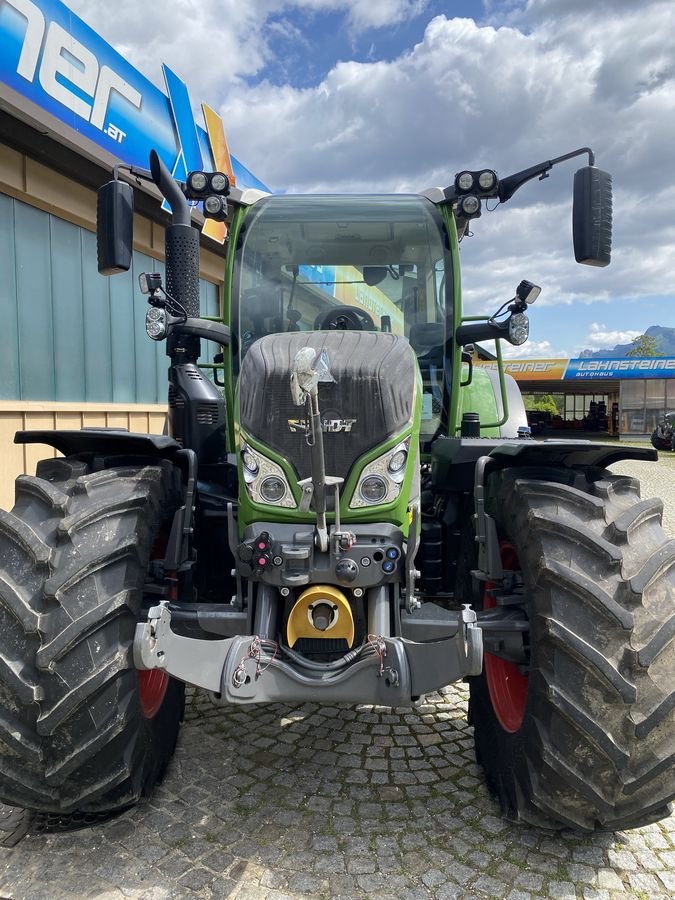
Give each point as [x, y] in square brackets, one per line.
[220, 184]
[215, 207]
[487, 180]
[197, 182]
[202, 184]
[469, 206]
[464, 181]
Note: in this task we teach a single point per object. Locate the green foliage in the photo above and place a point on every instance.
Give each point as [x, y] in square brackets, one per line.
[542, 403]
[644, 345]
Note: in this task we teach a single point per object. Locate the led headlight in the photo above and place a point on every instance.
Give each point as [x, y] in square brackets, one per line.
[373, 489]
[251, 467]
[381, 480]
[265, 480]
[397, 460]
[155, 323]
[273, 489]
[519, 328]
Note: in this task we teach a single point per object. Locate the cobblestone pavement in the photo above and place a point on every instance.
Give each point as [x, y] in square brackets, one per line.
[291, 802]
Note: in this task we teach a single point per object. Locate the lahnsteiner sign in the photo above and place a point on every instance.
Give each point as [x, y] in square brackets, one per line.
[586, 368]
[53, 59]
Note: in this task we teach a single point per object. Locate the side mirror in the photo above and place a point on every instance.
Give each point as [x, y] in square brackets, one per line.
[592, 216]
[114, 227]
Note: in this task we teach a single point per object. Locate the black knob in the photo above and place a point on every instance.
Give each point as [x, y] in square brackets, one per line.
[245, 553]
[346, 570]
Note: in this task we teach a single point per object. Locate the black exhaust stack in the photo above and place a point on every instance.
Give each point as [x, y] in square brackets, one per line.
[197, 419]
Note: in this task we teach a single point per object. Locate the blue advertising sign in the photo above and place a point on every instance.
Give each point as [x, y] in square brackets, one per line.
[323, 275]
[52, 58]
[656, 367]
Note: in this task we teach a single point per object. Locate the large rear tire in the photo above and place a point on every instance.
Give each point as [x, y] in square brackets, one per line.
[79, 731]
[588, 741]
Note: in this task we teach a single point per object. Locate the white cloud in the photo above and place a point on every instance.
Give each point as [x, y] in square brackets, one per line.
[533, 350]
[531, 82]
[380, 13]
[215, 43]
[600, 338]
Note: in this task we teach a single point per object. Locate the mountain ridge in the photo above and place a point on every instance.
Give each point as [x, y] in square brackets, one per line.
[665, 346]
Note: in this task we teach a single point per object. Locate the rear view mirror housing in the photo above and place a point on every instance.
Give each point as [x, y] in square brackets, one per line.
[114, 227]
[592, 217]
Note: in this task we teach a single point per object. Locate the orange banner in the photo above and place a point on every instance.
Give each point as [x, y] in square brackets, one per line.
[223, 161]
[531, 369]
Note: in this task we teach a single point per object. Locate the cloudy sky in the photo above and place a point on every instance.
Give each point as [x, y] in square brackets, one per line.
[399, 95]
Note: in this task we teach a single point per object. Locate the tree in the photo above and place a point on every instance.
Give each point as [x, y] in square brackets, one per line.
[644, 345]
[541, 403]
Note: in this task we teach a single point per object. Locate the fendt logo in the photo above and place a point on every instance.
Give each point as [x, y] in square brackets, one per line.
[328, 426]
[68, 71]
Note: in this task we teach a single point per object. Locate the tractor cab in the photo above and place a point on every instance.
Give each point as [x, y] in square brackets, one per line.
[373, 264]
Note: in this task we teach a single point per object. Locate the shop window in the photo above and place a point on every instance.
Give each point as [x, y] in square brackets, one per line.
[633, 416]
[656, 402]
[670, 395]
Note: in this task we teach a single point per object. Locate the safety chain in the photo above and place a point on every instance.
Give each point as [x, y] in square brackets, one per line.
[377, 643]
[255, 651]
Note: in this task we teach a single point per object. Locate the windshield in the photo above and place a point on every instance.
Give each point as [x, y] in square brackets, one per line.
[357, 262]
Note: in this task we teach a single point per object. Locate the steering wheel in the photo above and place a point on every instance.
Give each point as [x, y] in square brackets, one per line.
[346, 318]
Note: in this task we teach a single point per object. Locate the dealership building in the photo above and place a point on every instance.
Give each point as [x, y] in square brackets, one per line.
[74, 346]
[623, 397]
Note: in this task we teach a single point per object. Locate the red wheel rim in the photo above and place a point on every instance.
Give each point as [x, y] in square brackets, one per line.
[152, 685]
[507, 685]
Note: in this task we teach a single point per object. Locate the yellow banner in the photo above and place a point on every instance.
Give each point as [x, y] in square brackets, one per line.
[531, 369]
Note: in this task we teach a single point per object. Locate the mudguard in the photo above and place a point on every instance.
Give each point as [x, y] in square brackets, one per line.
[103, 442]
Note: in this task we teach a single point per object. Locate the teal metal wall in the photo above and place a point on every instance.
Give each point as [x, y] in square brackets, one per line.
[68, 333]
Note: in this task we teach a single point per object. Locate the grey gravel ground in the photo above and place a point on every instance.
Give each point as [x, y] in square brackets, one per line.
[292, 802]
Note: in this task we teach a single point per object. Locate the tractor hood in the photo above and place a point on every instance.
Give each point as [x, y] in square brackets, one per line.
[367, 395]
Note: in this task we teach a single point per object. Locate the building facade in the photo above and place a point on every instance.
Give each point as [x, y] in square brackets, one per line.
[627, 397]
[74, 347]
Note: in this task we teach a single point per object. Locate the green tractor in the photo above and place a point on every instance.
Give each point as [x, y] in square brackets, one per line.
[355, 514]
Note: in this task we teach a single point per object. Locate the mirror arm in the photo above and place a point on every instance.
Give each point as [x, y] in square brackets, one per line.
[509, 185]
[202, 328]
[134, 171]
[481, 331]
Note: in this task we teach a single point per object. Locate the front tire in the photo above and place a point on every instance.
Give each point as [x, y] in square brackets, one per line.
[595, 745]
[78, 731]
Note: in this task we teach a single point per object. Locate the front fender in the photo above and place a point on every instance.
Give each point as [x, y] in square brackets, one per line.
[103, 442]
[562, 452]
[454, 460]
